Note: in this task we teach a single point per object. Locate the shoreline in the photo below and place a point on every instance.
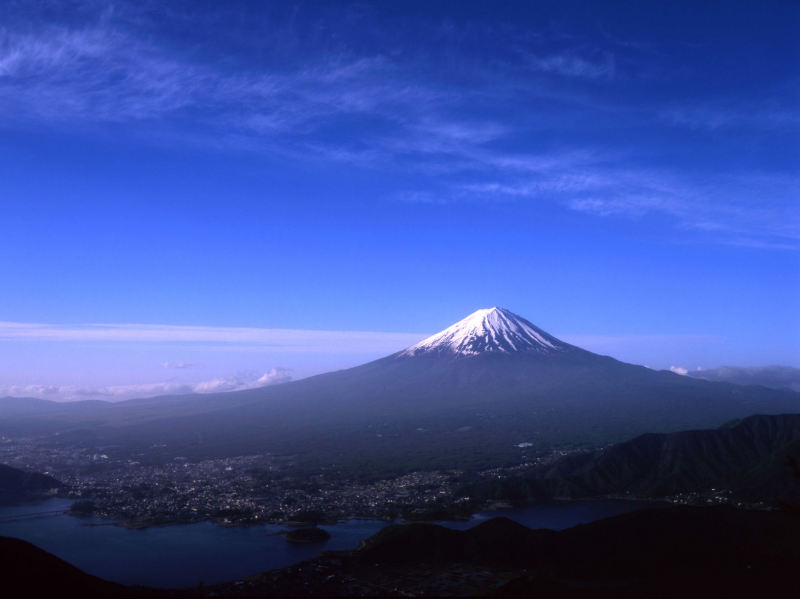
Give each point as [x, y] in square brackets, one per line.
[494, 506]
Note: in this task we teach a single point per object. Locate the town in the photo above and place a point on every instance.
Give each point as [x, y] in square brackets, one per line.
[242, 490]
[260, 489]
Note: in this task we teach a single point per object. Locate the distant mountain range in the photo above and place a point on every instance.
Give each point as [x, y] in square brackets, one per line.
[776, 377]
[465, 397]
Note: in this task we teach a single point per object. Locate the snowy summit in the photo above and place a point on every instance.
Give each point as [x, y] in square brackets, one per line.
[488, 330]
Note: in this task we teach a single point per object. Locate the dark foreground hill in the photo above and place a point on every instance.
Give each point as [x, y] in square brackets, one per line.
[748, 458]
[17, 485]
[27, 571]
[463, 398]
[668, 552]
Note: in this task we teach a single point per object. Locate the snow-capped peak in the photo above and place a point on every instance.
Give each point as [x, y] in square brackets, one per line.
[488, 330]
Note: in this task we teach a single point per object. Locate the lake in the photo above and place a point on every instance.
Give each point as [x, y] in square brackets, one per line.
[183, 555]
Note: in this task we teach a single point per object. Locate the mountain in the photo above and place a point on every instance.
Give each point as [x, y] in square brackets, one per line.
[776, 377]
[18, 486]
[749, 458]
[465, 397]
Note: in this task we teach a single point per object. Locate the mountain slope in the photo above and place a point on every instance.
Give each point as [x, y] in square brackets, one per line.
[748, 458]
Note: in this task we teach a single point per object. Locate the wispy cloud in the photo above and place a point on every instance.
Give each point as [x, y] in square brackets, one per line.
[177, 365]
[95, 73]
[737, 209]
[572, 65]
[331, 102]
[724, 115]
[236, 382]
[107, 71]
[104, 73]
[277, 340]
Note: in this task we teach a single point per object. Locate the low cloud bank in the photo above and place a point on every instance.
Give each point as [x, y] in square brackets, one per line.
[776, 377]
[236, 382]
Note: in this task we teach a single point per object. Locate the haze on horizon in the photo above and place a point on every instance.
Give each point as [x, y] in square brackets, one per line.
[253, 193]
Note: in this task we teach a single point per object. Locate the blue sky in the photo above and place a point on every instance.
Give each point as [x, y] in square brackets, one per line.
[623, 174]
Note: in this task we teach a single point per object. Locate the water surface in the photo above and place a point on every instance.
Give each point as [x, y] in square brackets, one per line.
[183, 555]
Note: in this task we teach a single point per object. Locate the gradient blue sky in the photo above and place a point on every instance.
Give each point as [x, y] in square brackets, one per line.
[623, 174]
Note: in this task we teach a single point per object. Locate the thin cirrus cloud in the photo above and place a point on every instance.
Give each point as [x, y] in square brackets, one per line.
[355, 343]
[105, 74]
[276, 340]
[724, 210]
[722, 115]
[570, 65]
[115, 69]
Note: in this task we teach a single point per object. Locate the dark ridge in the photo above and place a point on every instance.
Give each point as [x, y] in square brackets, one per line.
[641, 543]
[498, 542]
[745, 460]
[669, 552]
[748, 458]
